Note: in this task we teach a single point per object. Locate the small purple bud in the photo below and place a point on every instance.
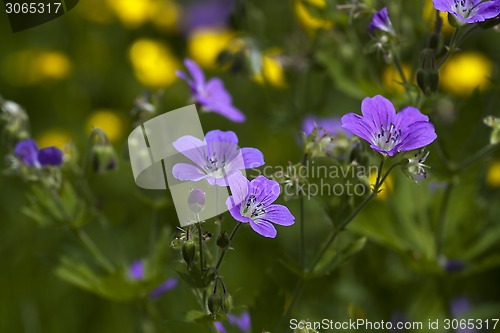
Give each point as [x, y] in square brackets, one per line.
[453, 265]
[27, 151]
[50, 156]
[196, 200]
[136, 270]
[163, 288]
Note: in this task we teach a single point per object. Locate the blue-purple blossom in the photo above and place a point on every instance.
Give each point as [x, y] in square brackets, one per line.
[216, 158]
[327, 126]
[252, 202]
[382, 22]
[207, 14]
[211, 94]
[458, 307]
[453, 265]
[241, 322]
[29, 154]
[469, 11]
[388, 132]
[137, 272]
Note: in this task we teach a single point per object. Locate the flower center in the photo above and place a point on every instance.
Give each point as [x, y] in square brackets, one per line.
[463, 7]
[215, 167]
[252, 209]
[387, 138]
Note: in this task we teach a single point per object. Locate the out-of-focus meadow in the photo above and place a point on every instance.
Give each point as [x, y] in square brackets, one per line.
[87, 68]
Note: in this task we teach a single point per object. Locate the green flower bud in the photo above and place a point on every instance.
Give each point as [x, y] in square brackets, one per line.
[189, 252]
[104, 159]
[223, 240]
[226, 303]
[214, 303]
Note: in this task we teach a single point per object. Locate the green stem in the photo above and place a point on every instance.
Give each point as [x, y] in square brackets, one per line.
[442, 220]
[397, 64]
[302, 245]
[223, 254]
[89, 244]
[476, 156]
[200, 243]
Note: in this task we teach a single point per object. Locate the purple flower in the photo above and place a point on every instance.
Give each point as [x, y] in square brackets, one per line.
[242, 322]
[381, 21]
[458, 307]
[136, 272]
[388, 132]
[252, 202]
[211, 94]
[27, 151]
[453, 265]
[329, 125]
[207, 14]
[216, 158]
[469, 11]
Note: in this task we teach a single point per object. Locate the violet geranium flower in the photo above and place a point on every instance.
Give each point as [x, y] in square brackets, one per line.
[241, 322]
[381, 21]
[29, 154]
[388, 132]
[211, 94]
[252, 202]
[469, 11]
[216, 158]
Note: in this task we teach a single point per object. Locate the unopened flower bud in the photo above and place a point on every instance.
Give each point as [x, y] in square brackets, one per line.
[494, 123]
[226, 303]
[428, 80]
[196, 200]
[223, 240]
[214, 303]
[103, 155]
[189, 252]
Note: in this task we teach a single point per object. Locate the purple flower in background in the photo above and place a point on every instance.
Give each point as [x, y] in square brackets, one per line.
[453, 265]
[388, 132]
[469, 11]
[216, 158]
[252, 202]
[329, 126]
[458, 307]
[381, 21]
[207, 14]
[242, 322]
[27, 151]
[136, 272]
[211, 94]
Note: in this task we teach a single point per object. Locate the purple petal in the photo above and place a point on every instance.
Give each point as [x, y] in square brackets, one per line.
[483, 11]
[50, 156]
[193, 148]
[264, 228]
[408, 116]
[378, 111]
[331, 125]
[459, 306]
[221, 136]
[27, 151]
[265, 190]
[163, 288]
[419, 135]
[381, 21]
[235, 211]
[228, 111]
[279, 214]
[443, 5]
[358, 126]
[252, 157]
[243, 322]
[186, 78]
[195, 71]
[239, 185]
[136, 270]
[216, 91]
[220, 328]
[184, 172]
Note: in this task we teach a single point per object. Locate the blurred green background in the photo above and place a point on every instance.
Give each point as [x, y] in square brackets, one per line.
[87, 67]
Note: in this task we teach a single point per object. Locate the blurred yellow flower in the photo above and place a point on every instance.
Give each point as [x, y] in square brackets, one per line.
[271, 73]
[392, 79]
[133, 13]
[153, 63]
[53, 137]
[493, 175]
[430, 16]
[204, 45]
[107, 120]
[386, 187]
[465, 72]
[87, 9]
[32, 67]
[308, 20]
